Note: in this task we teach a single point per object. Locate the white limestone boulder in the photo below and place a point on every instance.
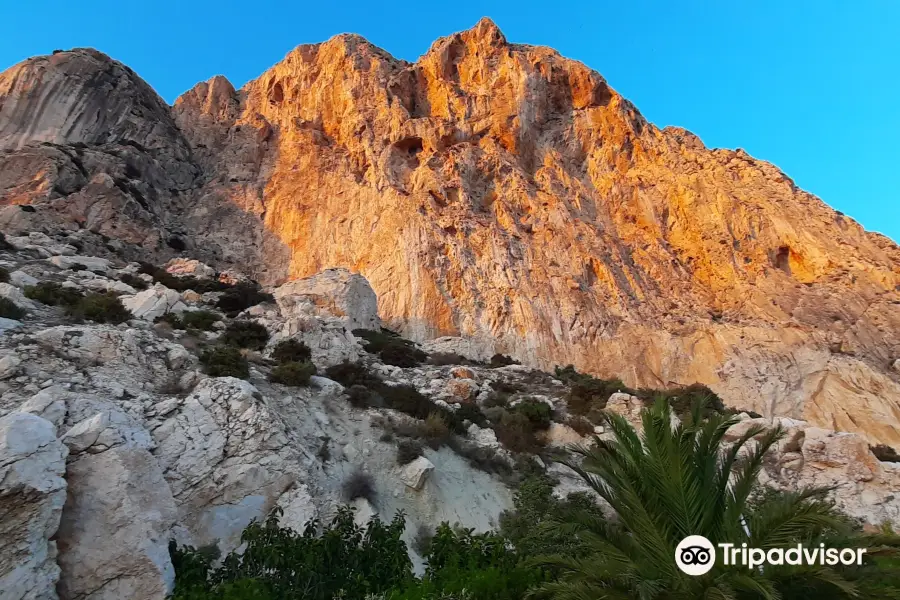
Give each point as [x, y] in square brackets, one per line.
[32, 494]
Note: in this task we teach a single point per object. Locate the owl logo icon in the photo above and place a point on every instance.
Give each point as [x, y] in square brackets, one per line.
[695, 555]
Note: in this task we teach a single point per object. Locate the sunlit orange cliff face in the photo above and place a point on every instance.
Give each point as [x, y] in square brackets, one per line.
[490, 190]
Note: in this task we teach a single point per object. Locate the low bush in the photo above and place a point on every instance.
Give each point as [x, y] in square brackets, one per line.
[538, 413]
[682, 399]
[351, 374]
[53, 294]
[435, 430]
[182, 284]
[471, 412]
[173, 319]
[359, 485]
[443, 359]
[4, 275]
[337, 560]
[203, 320]
[359, 396]
[9, 309]
[408, 451]
[242, 296]
[391, 348]
[5, 245]
[246, 334]
[402, 355]
[225, 361]
[134, 281]
[100, 308]
[501, 360]
[291, 351]
[516, 432]
[483, 458]
[581, 425]
[885, 453]
[293, 373]
[77, 267]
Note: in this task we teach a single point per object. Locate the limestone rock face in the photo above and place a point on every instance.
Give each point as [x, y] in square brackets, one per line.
[490, 192]
[32, 493]
[333, 292]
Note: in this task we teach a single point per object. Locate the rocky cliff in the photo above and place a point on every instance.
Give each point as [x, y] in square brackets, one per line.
[490, 191]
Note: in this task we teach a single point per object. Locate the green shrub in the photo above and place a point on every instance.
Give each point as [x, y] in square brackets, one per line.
[359, 485]
[101, 308]
[4, 275]
[133, 280]
[291, 351]
[533, 524]
[246, 334]
[77, 267]
[442, 359]
[53, 294]
[471, 412]
[408, 451]
[173, 319]
[204, 320]
[339, 560]
[9, 309]
[242, 296]
[538, 413]
[435, 430]
[516, 431]
[351, 374]
[885, 453]
[391, 348]
[683, 398]
[293, 373]
[402, 355]
[501, 360]
[182, 284]
[225, 361]
[359, 396]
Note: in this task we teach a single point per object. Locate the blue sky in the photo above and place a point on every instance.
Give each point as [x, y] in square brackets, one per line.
[813, 87]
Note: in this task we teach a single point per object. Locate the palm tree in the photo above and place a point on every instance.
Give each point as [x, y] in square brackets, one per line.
[679, 479]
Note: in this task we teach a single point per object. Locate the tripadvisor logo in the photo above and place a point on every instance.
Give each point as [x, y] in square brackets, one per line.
[696, 555]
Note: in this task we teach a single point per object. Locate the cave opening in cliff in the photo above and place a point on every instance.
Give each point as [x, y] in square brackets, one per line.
[410, 145]
[783, 259]
[276, 96]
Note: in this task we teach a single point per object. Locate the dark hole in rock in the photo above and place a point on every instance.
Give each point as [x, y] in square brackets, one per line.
[277, 94]
[783, 259]
[410, 145]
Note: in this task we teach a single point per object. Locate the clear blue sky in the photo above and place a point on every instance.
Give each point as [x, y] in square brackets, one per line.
[812, 86]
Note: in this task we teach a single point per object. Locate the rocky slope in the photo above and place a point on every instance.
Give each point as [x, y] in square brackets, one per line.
[491, 191]
[113, 440]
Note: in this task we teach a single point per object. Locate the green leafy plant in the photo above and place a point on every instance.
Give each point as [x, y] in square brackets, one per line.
[341, 560]
[538, 413]
[391, 348]
[4, 275]
[133, 280]
[242, 296]
[291, 351]
[245, 334]
[293, 373]
[682, 480]
[885, 453]
[359, 484]
[502, 360]
[203, 320]
[100, 308]
[408, 451]
[10, 310]
[53, 294]
[225, 361]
